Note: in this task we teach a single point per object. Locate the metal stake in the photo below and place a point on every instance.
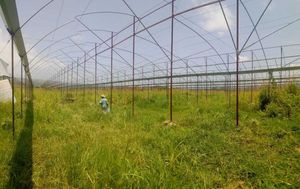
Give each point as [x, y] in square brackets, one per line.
[95, 73]
[237, 63]
[84, 66]
[251, 94]
[111, 68]
[21, 88]
[171, 68]
[12, 85]
[133, 61]
[206, 90]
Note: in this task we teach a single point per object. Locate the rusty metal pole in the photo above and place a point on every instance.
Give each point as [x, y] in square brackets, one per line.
[251, 93]
[26, 88]
[142, 78]
[211, 86]
[64, 83]
[153, 75]
[21, 87]
[61, 82]
[95, 85]
[167, 82]
[133, 61]
[148, 89]
[281, 60]
[244, 85]
[67, 70]
[197, 90]
[237, 63]
[229, 91]
[77, 76]
[206, 79]
[72, 76]
[187, 81]
[171, 66]
[111, 68]
[124, 84]
[84, 67]
[118, 79]
[12, 85]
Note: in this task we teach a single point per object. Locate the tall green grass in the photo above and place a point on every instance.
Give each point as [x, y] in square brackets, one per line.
[75, 145]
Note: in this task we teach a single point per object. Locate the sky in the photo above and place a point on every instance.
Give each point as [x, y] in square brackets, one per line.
[207, 35]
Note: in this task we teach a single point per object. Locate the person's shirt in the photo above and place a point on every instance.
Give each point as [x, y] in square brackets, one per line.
[104, 103]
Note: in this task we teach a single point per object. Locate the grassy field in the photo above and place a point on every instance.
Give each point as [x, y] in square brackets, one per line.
[74, 145]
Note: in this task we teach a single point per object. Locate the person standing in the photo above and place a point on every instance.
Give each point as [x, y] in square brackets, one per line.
[104, 104]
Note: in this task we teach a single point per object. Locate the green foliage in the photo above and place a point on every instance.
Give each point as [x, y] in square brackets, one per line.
[273, 110]
[292, 89]
[75, 145]
[279, 103]
[264, 99]
[69, 97]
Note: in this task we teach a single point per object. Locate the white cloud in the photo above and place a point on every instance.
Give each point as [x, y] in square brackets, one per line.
[77, 38]
[244, 58]
[213, 19]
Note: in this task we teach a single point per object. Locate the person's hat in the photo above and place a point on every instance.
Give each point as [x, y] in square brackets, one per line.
[102, 96]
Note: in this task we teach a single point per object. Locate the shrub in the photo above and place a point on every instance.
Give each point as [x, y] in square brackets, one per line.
[273, 110]
[278, 103]
[286, 102]
[264, 99]
[292, 89]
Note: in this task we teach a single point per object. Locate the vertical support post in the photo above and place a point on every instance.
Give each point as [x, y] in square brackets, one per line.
[77, 75]
[12, 85]
[206, 90]
[211, 85]
[171, 67]
[95, 85]
[84, 66]
[124, 84]
[148, 89]
[67, 70]
[111, 68]
[251, 93]
[281, 60]
[167, 81]
[142, 78]
[244, 85]
[187, 81]
[118, 79]
[229, 88]
[21, 87]
[226, 86]
[61, 82]
[237, 64]
[72, 76]
[197, 90]
[133, 62]
[153, 75]
[64, 83]
[26, 88]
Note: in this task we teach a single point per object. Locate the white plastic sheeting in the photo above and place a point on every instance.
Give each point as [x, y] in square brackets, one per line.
[5, 91]
[3, 68]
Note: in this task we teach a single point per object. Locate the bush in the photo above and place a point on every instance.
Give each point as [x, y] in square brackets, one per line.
[264, 99]
[273, 110]
[292, 89]
[267, 95]
[278, 103]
